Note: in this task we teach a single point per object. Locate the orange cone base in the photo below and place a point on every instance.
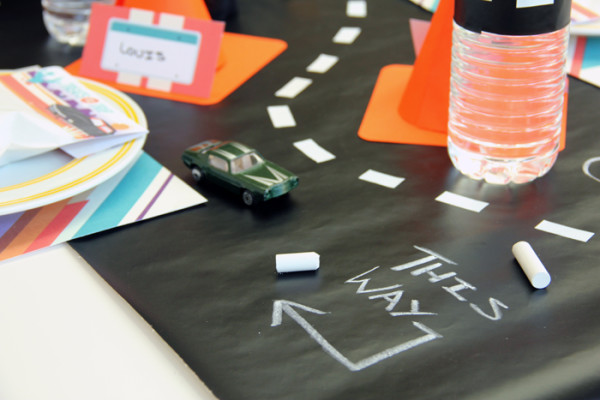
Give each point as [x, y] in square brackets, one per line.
[383, 123]
[245, 55]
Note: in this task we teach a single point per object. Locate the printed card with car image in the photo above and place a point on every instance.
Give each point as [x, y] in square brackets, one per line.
[43, 109]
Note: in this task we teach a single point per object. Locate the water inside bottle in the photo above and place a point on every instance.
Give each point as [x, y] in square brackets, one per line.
[506, 104]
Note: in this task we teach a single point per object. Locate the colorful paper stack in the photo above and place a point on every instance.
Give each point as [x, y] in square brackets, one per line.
[52, 197]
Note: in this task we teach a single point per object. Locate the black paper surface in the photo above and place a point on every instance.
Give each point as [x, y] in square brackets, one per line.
[205, 278]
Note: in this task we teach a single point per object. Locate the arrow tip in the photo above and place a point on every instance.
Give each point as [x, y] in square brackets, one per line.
[281, 306]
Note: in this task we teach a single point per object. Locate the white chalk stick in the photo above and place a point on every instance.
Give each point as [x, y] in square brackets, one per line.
[531, 265]
[297, 262]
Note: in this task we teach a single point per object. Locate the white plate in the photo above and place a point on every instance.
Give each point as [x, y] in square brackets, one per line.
[54, 176]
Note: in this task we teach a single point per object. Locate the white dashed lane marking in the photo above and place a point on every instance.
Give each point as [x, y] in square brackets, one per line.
[281, 116]
[564, 231]
[466, 203]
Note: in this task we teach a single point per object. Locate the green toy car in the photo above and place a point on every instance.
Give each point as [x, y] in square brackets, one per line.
[240, 169]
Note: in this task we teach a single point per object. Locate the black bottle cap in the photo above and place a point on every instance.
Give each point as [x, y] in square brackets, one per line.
[513, 17]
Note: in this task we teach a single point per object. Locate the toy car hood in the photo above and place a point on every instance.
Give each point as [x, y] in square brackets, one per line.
[266, 175]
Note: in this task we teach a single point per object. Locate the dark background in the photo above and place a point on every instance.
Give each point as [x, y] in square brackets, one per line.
[205, 278]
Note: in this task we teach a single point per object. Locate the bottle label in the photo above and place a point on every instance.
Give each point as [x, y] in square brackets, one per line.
[513, 17]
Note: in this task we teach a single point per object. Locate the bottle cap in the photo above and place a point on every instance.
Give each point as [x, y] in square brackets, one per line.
[513, 17]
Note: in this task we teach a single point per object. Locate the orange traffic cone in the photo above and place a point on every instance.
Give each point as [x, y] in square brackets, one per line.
[409, 104]
[426, 99]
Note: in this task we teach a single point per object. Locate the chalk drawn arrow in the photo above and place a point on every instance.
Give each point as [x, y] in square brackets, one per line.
[288, 307]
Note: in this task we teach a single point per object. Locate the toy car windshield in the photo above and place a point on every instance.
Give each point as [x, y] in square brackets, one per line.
[245, 162]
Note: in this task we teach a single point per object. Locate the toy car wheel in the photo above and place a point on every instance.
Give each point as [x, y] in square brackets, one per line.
[247, 198]
[197, 174]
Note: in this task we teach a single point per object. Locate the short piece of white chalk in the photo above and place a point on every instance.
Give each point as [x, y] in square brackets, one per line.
[297, 262]
[531, 265]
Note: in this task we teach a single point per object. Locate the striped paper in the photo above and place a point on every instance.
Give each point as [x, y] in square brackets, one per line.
[584, 59]
[142, 191]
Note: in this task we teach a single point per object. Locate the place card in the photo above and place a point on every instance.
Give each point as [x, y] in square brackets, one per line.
[153, 50]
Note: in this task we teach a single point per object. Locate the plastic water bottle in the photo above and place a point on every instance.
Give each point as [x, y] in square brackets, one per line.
[507, 85]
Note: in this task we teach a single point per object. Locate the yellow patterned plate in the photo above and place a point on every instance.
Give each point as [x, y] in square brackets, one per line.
[54, 176]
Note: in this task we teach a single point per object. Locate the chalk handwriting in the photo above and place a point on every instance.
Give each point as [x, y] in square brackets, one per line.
[433, 266]
[495, 304]
[414, 310]
[393, 298]
[363, 283]
[454, 286]
[283, 306]
[454, 289]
